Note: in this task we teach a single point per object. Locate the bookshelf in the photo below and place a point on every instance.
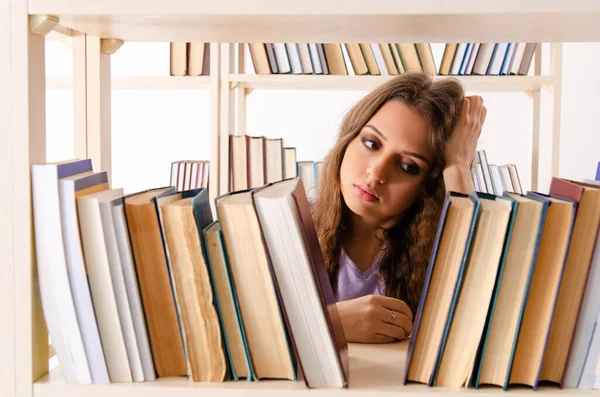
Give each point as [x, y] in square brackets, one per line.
[95, 26]
[141, 82]
[374, 370]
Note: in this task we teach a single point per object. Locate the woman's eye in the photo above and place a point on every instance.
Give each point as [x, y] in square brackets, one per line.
[411, 169]
[371, 144]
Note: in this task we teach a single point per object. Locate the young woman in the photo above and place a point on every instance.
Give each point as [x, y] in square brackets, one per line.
[380, 194]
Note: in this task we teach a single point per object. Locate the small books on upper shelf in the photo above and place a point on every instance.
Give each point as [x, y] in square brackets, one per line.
[509, 292]
[255, 161]
[148, 285]
[389, 59]
[190, 59]
[494, 179]
[189, 174]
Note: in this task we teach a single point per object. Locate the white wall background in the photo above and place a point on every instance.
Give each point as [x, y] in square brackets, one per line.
[153, 128]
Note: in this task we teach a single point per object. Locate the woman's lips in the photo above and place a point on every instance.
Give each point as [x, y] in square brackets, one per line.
[365, 193]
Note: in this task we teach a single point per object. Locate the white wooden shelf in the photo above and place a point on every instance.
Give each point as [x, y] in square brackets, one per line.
[140, 82]
[330, 20]
[359, 83]
[374, 370]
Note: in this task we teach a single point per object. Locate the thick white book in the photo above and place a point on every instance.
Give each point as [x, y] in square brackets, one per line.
[71, 188]
[101, 285]
[118, 280]
[55, 290]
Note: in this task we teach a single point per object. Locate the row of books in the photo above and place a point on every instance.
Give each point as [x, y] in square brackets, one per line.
[495, 59]
[512, 291]
[189, 59]
[148, 285]
[189, 174]
[255, 161]
[494, 179]
[391, 58]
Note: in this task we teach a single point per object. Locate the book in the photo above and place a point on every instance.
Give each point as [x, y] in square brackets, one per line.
[541, 299]
[444, 272]
[513, 285]
[154, 280]
[463, 333]
[226, 303]
[112, 308]
[55, 290]
[581, 248]
[265, 330]
[70, 188]
[303, 284]
[183, 219]
[121, 231]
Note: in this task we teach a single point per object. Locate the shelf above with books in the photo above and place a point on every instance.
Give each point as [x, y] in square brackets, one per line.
[373, 368]
[329, 21]
[358, 83]
[141, 82]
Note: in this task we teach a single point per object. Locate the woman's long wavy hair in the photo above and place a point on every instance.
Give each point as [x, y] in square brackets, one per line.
[407, 245]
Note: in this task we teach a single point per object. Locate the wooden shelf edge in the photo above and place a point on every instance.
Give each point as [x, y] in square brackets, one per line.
[141, 82]
[360, 83]
[375, 370]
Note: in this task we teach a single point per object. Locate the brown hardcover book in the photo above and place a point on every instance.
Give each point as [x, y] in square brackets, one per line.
[356, 58]
[447, 58]
[388, 59]
[238, 162]
[543, 292]
[370, 59]
[192, 286]
[335, 58]
[258, 305]
[195, 59]
[426, 57]
[155, 286]
[307, 300]
[178, 53]
[575, 275]
[260, 60]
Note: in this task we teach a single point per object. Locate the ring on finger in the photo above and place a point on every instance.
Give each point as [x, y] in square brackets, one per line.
[393, 317]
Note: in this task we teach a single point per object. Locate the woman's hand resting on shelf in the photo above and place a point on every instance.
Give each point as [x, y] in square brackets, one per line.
[369, 319]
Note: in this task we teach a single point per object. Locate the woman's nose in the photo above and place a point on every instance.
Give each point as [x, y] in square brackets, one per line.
[377, 170]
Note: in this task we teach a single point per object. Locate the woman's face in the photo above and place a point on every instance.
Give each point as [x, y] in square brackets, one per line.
[384, 167]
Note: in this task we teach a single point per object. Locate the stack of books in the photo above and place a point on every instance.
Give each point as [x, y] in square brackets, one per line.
[189, 59]
[148, 284]
[494, 179]
[512, 291]
[255, 161]
[390, 59]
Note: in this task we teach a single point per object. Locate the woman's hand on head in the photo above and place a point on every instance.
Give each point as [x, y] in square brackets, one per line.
[368, 319]
[462, 144]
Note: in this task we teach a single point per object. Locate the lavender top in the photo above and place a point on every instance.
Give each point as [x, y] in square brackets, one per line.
[353, 283]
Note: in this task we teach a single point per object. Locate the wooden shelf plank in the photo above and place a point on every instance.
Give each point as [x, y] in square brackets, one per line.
[141, 82]
[330, 20]
[374, 370]
[360, 83]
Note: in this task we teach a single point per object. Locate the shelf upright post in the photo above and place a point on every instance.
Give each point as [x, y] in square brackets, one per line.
[241, 92]
[227, 116]
[98, 106]
[215, 138]
[23, 335]
[556, 72]
[79, 53]
[537, 112]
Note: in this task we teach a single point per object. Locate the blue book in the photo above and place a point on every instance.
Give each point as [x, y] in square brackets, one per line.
[598, 172]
